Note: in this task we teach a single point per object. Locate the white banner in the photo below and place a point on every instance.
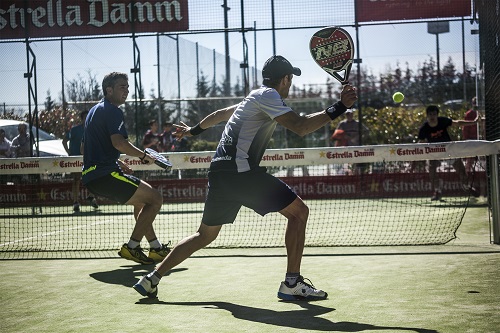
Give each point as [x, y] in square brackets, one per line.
[276, 157]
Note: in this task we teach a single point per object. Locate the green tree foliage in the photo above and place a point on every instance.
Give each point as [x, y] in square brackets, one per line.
[388, 122]
[200, 108]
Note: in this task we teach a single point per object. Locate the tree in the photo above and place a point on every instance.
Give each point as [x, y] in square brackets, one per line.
[81, 90]
[49, 103]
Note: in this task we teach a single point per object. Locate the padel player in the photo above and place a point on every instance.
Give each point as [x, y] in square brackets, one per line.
[235, 178]
[435, 129]
[104, 174]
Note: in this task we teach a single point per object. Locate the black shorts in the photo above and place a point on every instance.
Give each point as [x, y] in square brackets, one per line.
[116, 186]
[255, 189]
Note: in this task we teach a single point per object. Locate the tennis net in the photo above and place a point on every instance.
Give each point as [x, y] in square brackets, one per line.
[358, 196]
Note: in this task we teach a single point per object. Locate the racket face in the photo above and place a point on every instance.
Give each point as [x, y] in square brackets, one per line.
[160, 159]
[333, 50]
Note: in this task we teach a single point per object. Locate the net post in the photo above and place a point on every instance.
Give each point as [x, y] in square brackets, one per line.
[495, 199]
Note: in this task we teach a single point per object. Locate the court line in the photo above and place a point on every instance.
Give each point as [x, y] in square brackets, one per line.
[55, 232]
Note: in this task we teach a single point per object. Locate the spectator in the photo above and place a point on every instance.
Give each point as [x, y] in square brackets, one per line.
[152, 138]
[166, 138]
[347, 131]
[470, 132]
[74, 138]
[5, 145]
[21, 145]
[435, 129]
[347, 134]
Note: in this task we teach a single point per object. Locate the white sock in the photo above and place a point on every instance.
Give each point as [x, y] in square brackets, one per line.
[132, 243]
[291, 278]
[155, 277]
[155, 244]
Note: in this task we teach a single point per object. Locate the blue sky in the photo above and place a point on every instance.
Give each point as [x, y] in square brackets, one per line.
[381, 47]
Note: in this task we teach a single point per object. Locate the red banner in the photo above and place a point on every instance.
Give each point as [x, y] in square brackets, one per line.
[398, 185]
[60, 18]
[386, 10]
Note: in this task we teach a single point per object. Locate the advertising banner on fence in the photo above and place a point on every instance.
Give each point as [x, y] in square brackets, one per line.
[312, 187]
[273, 157]
[62, 18]
[387, 10]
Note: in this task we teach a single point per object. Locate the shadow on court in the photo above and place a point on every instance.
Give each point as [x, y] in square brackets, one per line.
[299, 319]
[127, 275]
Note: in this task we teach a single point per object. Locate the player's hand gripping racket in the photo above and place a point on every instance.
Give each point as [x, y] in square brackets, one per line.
[333, 50]
[160, 160]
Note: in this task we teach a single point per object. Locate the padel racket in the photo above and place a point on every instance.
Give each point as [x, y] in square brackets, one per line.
[333, 50]
[160, 160]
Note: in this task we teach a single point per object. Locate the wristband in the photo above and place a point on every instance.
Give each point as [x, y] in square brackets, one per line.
[197, 130]
[335, 110]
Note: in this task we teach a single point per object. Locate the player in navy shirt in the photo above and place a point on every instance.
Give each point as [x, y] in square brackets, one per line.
[435, 129]
[104, 174]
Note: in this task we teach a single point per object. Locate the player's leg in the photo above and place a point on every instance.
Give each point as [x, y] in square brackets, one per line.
[433, 165]
[265, 193]
[75, 190]
[185, 248]
[460, 169]
[128, 189]
[220, 208]
[295, 287]
[147, 202]
[297, 214]
[147, 285]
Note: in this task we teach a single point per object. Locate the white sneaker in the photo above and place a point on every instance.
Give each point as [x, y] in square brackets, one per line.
[145, 287]
[300, 291]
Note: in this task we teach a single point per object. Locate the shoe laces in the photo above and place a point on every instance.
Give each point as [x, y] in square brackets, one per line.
[164, 247]
[306, 281]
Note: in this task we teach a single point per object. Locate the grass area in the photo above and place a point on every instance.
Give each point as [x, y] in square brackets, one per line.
[448, 288]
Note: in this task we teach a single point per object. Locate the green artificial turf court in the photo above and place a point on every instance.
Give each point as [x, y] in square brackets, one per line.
[440, 288]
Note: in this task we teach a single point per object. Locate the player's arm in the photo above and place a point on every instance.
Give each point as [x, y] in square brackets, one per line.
[211, 120]
[303, 125]
[65, 143]
[460, 123]
[126, 147]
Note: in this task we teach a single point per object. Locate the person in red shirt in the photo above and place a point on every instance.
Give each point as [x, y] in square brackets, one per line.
[470, 132]
[152, 138]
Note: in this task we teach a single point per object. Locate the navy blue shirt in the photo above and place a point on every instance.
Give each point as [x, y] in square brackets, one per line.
[99, 154]
[75, 136]
[438, 133]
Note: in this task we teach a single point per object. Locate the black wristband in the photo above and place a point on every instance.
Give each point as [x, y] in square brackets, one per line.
[196, 130]
[335, 110]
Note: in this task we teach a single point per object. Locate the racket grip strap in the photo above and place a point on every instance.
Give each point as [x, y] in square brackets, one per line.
[335, 110]
[143, 157]
[197, 130]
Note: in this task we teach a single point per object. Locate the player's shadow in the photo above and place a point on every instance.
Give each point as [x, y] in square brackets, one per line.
[127, 275]
[305, 318]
